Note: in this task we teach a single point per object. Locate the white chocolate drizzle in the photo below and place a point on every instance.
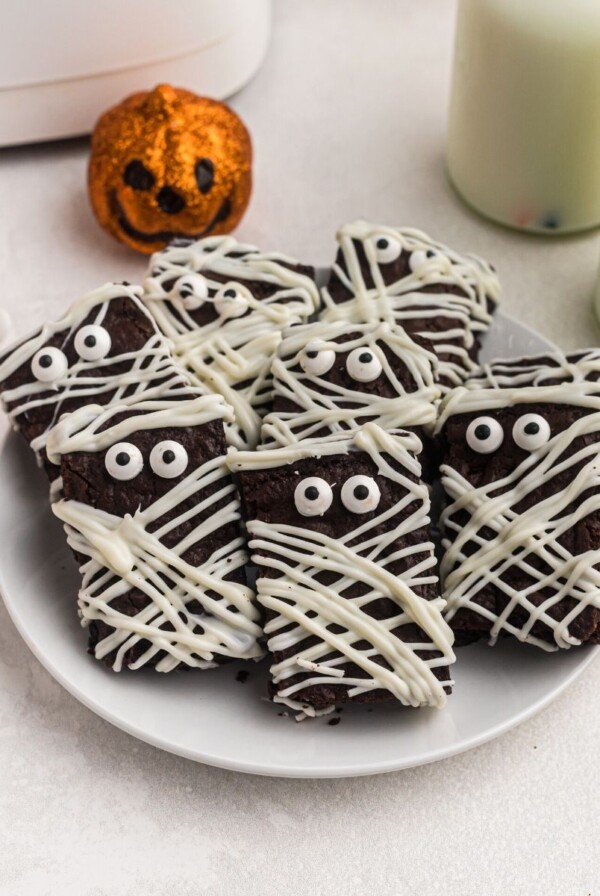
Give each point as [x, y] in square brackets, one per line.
[231, 354]
[411, 297]
[304, 607]
[496, 541]
[151, 369]
[321, 404]
[128, 552]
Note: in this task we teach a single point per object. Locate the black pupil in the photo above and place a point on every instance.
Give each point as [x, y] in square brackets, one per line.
[482, 432]
[365, 358]
[229, 293]
[430, 253]
[205, 174]
[311, 354]
[382, 243]
[90, 341]
[531, 428]
[361, 492]
[46, 361]
[312, 493]
[168, 456]
[122, 458]
[136, 175]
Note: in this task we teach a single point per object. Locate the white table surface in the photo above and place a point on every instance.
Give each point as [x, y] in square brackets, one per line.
[348, 119]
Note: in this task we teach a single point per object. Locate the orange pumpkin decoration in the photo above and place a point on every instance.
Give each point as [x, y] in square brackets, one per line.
[166, 164]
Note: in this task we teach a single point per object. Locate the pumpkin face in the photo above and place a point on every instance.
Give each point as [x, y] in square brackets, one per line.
[167, 164]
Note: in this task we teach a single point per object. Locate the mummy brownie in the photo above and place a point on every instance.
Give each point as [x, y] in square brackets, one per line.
[402, 275]
[224, 305]
[330, 377]
[339, 531]
[521, 529]
[105, 349]
[152, 514]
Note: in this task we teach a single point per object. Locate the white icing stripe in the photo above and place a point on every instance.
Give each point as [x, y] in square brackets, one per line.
[84, 430]
[503, 385]
[496, 543]
[124, 554]
[409, 297]
[318, 401]
[303, 608]
[229, 355]
[151, 369]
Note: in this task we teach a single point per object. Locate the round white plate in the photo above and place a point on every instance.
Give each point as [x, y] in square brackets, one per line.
[214, 718]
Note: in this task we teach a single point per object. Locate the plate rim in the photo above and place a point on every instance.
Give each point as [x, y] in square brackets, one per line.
[289, 770]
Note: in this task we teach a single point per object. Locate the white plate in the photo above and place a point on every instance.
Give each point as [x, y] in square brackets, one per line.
[211, 717]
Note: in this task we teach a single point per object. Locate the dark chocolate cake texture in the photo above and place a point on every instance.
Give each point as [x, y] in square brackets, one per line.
[224, 305]
[333, 377]
[403, 276]
[153, 516]
[106, 349]
[521, 474]
[339, 531]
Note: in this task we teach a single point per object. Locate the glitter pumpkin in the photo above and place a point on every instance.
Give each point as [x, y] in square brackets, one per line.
[168, 163]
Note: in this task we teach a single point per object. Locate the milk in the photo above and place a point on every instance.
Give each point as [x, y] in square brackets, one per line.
[524, 123]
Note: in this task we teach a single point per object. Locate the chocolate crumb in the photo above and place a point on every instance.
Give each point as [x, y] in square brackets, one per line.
[242, 676]
[334, 721]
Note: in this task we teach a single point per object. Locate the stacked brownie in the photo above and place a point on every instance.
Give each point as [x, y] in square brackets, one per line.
[401, 275]
[399, 323]
[136, 456]
[224, 305]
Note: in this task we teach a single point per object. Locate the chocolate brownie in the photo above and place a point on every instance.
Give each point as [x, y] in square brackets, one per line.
[224, 305]
[152, 514]
[402, 275]
[331, 377]
[339, 531]
[106, 348]
[521, 529]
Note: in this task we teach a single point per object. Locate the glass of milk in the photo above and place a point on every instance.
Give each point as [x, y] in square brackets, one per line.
[524, 123]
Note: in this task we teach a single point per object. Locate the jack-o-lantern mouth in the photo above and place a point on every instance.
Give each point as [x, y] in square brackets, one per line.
[163, 236]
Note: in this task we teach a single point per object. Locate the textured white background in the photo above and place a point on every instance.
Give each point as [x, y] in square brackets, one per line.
[348, 119]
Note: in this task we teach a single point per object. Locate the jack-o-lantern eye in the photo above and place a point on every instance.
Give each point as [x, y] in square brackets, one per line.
[205, 174]
[136, 175]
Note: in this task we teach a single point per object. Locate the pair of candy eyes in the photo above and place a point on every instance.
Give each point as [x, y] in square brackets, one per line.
[124, 461]
[192, 290]
[313, 496]
[485, 434]
[362, 365]
[387, 249]
[92, 343]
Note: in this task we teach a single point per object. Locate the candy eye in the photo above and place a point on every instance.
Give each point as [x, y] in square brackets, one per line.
[92, 343]
[313, 496]
[363, 366]
[531, 432]
[49, 364]
[484, 435]
[192, 290]
[420, 258]
[360, 494]
[169, 459]
[387, 249]
[123, 461]
[230, 302]
[317, 360]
